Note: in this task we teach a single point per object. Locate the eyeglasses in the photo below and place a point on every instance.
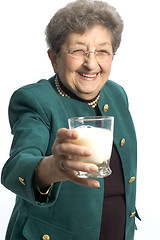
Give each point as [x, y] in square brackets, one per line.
[79, 54]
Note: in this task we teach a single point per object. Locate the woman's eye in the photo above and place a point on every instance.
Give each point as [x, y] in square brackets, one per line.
[103, 51]
[78, 50]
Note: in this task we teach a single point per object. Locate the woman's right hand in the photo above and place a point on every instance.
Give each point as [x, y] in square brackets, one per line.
[61, 165]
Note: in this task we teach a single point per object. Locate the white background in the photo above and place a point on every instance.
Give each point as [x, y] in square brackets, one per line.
[23, 60]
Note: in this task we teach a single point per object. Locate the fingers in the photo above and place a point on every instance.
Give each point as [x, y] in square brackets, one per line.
[72, 149]
[63, 145]
[78, 166]
[65, 134]
[70, 169]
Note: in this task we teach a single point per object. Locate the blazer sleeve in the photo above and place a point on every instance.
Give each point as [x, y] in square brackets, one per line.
[31, 130]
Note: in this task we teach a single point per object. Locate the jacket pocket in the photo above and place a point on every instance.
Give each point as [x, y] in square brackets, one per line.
[38, 230]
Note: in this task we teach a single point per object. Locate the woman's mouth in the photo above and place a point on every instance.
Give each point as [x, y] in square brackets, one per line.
[88, 76]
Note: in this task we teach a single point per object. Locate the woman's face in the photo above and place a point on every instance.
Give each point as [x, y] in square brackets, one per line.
[85, 76]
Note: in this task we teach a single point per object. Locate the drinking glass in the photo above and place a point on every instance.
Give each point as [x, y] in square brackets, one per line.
[96, 133]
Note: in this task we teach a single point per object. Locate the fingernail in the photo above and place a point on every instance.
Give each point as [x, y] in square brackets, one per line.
[87, 152]
[97, 185]
[93, 168]
[74, 135]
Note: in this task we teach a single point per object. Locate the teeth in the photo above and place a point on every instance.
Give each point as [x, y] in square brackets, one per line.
[91, 76]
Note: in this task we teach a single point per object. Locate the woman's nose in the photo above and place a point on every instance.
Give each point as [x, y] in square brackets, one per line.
[90, 61]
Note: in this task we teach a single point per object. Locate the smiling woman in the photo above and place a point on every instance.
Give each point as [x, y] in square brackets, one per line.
[81, 74]
[42, 169]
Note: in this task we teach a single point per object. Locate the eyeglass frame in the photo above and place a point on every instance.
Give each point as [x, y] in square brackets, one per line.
[86, 53]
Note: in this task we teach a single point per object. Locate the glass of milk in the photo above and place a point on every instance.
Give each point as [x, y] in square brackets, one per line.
[95, 133]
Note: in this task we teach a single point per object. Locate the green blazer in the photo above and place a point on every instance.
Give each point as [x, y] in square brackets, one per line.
[71, 212]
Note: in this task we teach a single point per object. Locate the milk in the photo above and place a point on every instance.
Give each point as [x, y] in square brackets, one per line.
[98, 140]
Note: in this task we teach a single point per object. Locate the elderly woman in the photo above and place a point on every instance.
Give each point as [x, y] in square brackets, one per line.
[52, 202]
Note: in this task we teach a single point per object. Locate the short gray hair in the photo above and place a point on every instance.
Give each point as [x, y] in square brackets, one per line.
[80, 15]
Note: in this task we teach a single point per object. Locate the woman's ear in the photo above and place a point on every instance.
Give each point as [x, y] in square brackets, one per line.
[53, 58]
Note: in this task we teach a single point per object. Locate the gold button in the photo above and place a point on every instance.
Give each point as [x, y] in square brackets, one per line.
[132, 214]
[122, 142]
[46, 237]
[132, 179]
[22, 181]
[105, 108]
